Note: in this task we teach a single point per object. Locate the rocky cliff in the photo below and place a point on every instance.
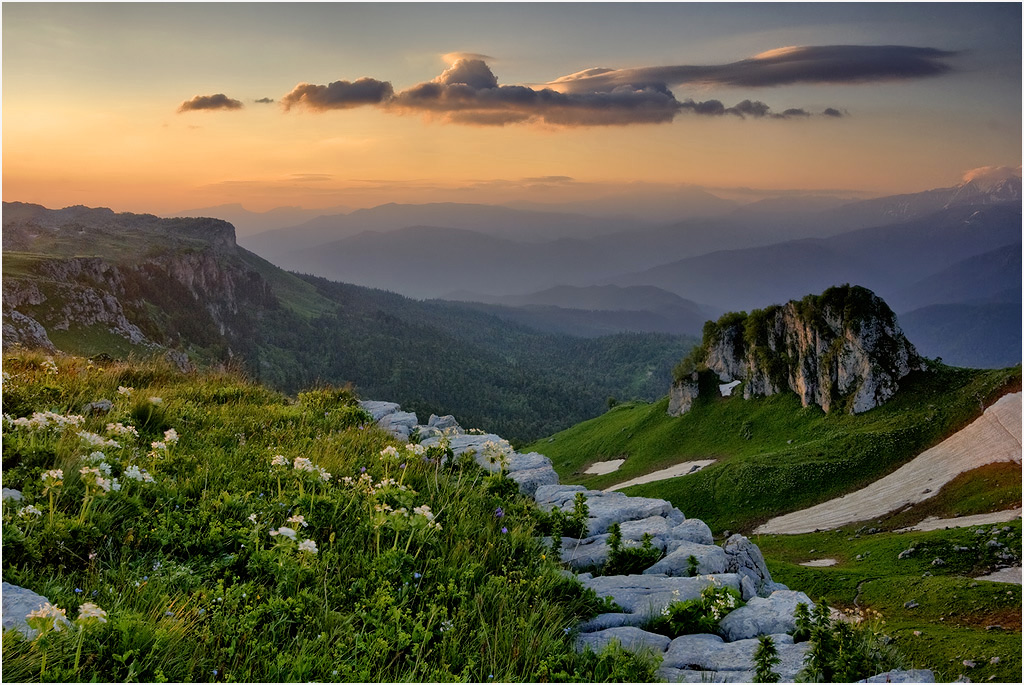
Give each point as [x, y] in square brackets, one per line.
[841, 348]
[147, 282]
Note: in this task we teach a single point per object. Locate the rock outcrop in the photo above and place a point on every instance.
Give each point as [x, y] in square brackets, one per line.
[841, 348]
[737, 564]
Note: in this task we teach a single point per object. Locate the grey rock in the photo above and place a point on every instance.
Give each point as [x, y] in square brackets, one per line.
[710, 559]
[657, 526]
[744, 557]
[399, 423]
[710, 653]
[917, 675]
[905, 553]
[605, 621]
[527, 462]
[379, 410]
[607, 508]
[747, 589]
[677, 675]
[560, 496]
[443, 423]
[17, 604]
[11, 494]
[910, 605]
[693, 530]
[529, 480]
[938, 562]
[586, 553]
[763, 616]
[98, 407]
[629, 637]
[682, 394]
[649, 594]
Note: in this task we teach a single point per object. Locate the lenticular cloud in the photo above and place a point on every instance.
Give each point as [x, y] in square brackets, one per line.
[468, 92]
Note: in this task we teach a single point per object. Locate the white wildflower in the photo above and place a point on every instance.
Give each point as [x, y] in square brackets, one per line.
[170, 436]
[122, 390]
[53, 477]
[94, 440]
[389, 451]
[30, 510]
[135, 473]
[91, 612]
[303, 464]
[121, 430]
[40, 619]
[285, 532]
[323, 473]
[158, 445]
[298, 519]
[424, 510]
[308, 546]
[279, 460]
[252, 518]
[49, 366]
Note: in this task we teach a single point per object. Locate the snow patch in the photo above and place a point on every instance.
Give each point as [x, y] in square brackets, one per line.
[684, 469]
[726, 388]
[820, 562]
[603, 467]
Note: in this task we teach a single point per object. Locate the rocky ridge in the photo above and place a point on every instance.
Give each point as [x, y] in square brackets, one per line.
[843, 347]
[737, 564]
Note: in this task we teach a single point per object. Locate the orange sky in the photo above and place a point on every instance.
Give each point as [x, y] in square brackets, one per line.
[91, 97]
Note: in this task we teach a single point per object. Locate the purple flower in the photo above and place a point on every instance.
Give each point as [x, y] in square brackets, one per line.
[362, 469]
[402, 465]
[499, 512]
[504, 530]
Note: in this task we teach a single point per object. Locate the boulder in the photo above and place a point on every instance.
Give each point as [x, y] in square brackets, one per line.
[399, 423]
[692, 530]
[531, 479]
[657, 526]
[604, 621]
[607, 508]
[762, 616]
[443, 423]
[678, 675]
[18, 603]
[916, 675]
[744, 558]
[647, 595]
[379, 410]
[710, 559]
[589, 552]
[706, 652]
[629, 637]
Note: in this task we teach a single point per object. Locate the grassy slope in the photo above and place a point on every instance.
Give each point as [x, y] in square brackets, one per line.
[954, 612]
[196, 591]
[774, 456]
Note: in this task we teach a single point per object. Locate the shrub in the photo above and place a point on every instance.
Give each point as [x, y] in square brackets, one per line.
[701, 615]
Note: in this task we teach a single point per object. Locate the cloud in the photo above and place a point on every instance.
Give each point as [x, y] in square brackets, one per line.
[338, 95]
[782, 66]
[266, 101]
[468, 92]
[206, 102]
[453, 57]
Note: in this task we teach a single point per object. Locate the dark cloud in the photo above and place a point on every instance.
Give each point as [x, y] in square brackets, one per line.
[206, 102]
[266, 101]
[339, 94]
[783, 66]
[832, 112]
[468, 92]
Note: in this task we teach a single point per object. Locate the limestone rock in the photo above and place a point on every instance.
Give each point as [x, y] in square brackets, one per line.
[629, 637]
[710, 559]
[682, 394]
[604, 621]
[399, 423]
[762, 616]
[17, 604]
[711, 653]
[379, 410]
[916, 675]
[443, 423]
[744, 558]
[647, 595]
[692, 530]
[530, 479]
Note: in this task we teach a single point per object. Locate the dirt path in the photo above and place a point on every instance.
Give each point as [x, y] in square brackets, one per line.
[994, 436]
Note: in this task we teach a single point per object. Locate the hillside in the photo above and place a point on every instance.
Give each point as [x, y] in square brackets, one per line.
[94, 282]
[772, 456]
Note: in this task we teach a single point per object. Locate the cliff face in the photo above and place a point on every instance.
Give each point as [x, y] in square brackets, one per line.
[843, 346]
[188, 286]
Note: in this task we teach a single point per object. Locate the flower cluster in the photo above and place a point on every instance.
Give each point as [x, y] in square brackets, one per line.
[96, 482]
[89, 612]
[306, 546]
[45, 420]
[141, 475]
[122, 431]
[49, 366]
[29, 510]
[122, 390]
[47, 617]
[93, 440]
[52, 478]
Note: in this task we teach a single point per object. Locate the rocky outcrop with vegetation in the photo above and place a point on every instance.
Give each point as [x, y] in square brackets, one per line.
[842, 348]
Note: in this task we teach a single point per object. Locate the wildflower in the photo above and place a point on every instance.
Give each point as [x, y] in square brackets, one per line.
[170, 436]
[362, 469]
[298, 519]
[504, 530]
[94, 440]
[252, 518]
[279, 460]
[53, 477]
[284, 531]
[303, 464]
[323, 473]
[135, 473]
[122, 390]
[446, 625]
[121, 430]
[308, 546]
[89, 612]
[49, 366]
[499, 513]
[30, 510]
[46, 618]
[158, 445]
[78, 590]
[388, 452]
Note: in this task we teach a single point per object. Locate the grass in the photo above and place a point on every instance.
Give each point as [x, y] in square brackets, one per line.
[95, 339]
[773, 456]
[937, 614]
[195, 587]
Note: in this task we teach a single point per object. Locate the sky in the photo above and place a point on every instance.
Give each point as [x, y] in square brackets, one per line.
[164, 107]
